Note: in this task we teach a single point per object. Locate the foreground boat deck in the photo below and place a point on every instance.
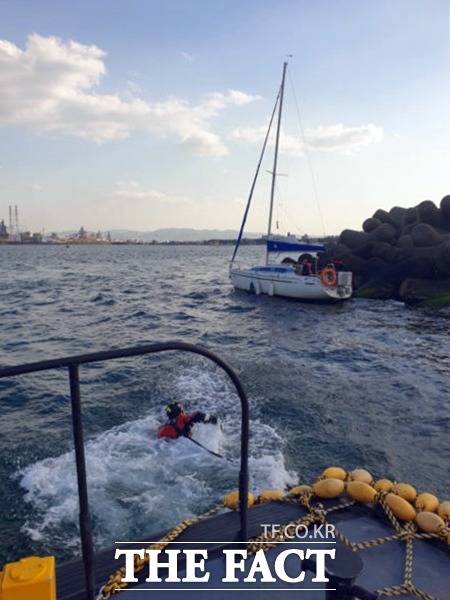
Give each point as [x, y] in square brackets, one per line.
[376, 554]
[383, 564]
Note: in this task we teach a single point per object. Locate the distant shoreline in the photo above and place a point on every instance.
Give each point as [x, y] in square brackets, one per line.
[214, 242]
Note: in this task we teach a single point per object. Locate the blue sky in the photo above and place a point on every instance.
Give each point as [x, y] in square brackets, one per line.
[140, 114]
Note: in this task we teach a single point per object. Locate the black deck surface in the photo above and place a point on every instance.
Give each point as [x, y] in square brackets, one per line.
[383, 564]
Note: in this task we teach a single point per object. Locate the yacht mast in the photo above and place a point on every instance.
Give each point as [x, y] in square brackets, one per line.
[275, 159]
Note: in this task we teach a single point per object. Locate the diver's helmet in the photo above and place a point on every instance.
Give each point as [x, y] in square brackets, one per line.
[174, 409]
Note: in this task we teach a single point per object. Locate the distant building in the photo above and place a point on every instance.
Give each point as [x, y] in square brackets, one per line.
[3, 231]
[30, 238]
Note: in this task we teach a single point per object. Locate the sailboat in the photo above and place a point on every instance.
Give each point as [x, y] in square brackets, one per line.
[302, 278]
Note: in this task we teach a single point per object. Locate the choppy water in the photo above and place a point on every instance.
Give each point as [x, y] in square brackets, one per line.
[362, 384]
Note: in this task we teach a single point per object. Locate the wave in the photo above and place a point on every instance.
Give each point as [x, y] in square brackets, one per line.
[138, 483]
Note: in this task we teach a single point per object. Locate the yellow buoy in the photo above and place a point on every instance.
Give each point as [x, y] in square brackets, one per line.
[30, 577]
[269, 496]
[328, 488]
[300, 489]
[426, 502]
[401, 508]
[231, 500]
[335, 473]
[430, 522]
[444, 509]
[361, 491]
[360, 475]
[384, 485]
[406, 491]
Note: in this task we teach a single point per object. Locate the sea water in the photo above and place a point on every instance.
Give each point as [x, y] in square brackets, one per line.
[359, 384]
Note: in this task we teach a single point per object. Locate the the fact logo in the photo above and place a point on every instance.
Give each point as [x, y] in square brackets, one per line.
[194, 568]
[239, 565]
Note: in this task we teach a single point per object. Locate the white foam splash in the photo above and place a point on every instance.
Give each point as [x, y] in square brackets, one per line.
[139, 484]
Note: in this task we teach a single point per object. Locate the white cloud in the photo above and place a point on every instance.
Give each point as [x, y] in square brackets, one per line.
[256, 135]
[132, 192]
[50, 87]
[203, 143]
[333, 138]
[187, 57]
[36, 81]
[337, 138]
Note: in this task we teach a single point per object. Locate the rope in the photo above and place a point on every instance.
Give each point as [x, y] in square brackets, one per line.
[115, 583]
[316, 513]
[406, 533]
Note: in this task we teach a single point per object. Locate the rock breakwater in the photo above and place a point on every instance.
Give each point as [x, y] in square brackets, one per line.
[399, 251]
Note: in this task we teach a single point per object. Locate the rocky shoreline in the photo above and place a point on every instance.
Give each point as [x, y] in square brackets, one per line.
[403, 254]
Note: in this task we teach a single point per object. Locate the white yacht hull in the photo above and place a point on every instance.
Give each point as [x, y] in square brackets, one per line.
[284, 281]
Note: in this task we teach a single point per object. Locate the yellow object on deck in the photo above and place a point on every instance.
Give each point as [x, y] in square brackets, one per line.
[31, 578]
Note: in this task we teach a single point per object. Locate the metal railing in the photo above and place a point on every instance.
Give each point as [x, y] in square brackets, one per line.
[72, 363]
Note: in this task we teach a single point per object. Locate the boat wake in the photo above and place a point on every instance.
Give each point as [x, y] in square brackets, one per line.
[138, 484]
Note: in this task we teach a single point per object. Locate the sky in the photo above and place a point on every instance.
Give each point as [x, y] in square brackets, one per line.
[145, 114]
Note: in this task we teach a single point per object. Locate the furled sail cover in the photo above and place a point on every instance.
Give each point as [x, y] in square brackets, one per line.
[292, 246]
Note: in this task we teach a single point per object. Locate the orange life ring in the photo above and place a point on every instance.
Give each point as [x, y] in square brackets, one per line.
[328, 277]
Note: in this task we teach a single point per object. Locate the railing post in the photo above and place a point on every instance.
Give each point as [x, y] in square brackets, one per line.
[85, 519]
[73, 363]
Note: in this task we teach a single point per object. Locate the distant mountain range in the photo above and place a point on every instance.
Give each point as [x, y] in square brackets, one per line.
[171, 235]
